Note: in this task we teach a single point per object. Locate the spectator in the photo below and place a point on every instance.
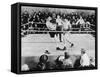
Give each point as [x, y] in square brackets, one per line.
[25, 17]
[81, 22]
[85, 61]
[59, 62]
[67, 62]
[42, 64]
[25, 67]
[92, 62]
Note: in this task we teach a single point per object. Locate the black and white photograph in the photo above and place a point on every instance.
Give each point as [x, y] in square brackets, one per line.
[49, 38]
[57, 38]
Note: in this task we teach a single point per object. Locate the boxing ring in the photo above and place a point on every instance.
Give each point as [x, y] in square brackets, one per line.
[34, 45]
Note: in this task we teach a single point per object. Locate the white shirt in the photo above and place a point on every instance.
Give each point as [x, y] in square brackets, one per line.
[85, 61]
[67, 62]
[66, 25]
[80, 21]
[59, 21]
[25, 67]
[50, 26]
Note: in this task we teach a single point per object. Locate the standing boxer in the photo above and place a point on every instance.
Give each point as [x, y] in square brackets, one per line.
[51, 27]
[59, 33]
[59, 27]
[66, 28]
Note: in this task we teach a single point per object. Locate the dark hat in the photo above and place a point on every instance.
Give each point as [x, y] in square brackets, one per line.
[83, 50]
[43, 58]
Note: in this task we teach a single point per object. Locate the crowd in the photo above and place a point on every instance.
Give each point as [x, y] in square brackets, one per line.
[37, 21]
[62, 62]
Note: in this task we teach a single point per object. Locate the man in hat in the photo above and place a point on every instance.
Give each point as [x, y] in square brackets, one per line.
[66, 29]
[85, 61]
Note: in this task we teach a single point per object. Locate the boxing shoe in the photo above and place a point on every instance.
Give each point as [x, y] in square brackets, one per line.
[47, 52]
[60, 48]
[72, 45]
